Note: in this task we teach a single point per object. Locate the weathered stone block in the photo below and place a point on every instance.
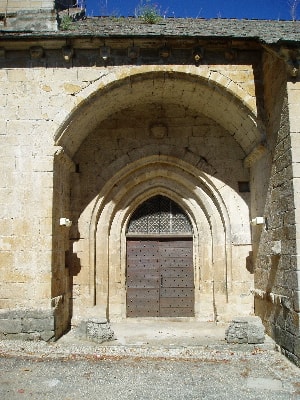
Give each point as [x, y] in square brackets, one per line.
[8, 326]
[37, 325]
[99, 330]
[297, 347]
[288, 341]
[294, 359]
[24, 336]
[27, 324]
[38, 313]
[296, 302]
[96, 330]
[246, 330]
[237, 332]
[47, 335]
[10, 314]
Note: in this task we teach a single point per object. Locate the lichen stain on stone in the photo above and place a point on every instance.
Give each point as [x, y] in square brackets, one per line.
[46, 88]
[71, 88]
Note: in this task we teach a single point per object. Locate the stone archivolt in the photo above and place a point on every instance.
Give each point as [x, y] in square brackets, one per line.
[196, 193]
[199, 89]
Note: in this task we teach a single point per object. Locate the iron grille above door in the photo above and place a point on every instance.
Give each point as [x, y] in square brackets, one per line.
[159, 215]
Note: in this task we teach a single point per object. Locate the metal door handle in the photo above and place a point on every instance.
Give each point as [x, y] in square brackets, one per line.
[161, 281]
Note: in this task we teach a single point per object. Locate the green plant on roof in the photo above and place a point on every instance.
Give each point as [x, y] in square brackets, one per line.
[149, 12]
[66, 23]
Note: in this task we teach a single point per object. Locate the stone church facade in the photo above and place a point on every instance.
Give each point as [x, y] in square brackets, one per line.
[148, 171]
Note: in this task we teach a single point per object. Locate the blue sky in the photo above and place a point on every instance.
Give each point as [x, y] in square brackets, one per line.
[252, 9]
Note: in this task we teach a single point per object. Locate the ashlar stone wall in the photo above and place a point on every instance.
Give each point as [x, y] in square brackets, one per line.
[32, 241]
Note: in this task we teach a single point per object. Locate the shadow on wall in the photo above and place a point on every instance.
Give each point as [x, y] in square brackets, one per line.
[249, 263]
[72, 262]
[275, 259]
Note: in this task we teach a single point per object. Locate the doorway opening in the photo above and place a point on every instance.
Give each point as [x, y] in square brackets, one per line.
[160, 271]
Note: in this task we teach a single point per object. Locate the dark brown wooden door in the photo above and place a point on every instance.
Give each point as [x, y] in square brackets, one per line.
[160, 278]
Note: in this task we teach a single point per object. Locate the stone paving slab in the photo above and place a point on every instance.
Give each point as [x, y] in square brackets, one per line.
[151, 361]
[244, 374]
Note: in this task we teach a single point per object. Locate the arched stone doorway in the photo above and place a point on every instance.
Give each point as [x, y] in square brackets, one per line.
[159, 267]
[217, 276]
[160, 145]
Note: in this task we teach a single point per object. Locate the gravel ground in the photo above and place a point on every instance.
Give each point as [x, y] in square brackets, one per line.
[36, 370]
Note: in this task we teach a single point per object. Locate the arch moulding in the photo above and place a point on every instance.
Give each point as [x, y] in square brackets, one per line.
[199, 88]
[195, 193]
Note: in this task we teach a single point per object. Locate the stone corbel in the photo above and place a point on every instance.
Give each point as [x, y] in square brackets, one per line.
[67, 53]
[230, 54]
[292, 60]
[198, 55]
[255, 155]
[36, 52]
[62, 157]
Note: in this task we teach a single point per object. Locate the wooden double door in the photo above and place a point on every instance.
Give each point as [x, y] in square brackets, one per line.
[160, 277]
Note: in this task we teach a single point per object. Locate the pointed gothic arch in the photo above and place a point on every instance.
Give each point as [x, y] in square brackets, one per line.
[194, 192]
